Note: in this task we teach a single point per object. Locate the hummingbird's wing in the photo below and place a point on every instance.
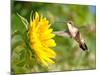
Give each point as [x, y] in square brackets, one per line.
[62, 33]
[78, 37]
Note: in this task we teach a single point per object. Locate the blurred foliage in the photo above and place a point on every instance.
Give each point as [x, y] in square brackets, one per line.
[69, 55]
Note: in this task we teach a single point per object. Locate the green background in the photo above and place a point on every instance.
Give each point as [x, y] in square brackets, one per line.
[69, 55]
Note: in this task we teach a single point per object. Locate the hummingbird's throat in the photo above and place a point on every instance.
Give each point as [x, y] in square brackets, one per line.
[73, 30]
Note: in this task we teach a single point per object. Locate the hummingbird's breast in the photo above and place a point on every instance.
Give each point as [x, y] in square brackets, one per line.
[73, 32]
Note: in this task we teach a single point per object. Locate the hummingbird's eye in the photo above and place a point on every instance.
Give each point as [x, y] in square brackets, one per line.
[70, 22]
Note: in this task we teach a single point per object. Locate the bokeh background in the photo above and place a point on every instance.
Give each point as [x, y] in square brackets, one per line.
[69, 55]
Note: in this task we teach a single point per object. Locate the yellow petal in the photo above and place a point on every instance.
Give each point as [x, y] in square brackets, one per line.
[46, 61]
[48, 36]
[36, 17]
[48, 31]
[49, 52]
[45, 51]
[42, 57]
[49, 43]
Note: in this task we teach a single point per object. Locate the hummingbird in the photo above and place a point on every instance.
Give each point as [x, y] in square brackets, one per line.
[74, 33]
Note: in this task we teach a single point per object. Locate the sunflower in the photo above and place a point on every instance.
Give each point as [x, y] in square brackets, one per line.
[41, 42]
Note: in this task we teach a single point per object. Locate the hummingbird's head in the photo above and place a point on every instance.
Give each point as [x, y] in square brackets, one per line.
[70, 23]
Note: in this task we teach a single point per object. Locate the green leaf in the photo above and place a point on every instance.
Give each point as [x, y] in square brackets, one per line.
[16, 32]
[25, 22]
[31, 15]
[21, 63]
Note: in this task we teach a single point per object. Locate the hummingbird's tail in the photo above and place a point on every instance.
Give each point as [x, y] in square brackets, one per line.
[83, 46]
